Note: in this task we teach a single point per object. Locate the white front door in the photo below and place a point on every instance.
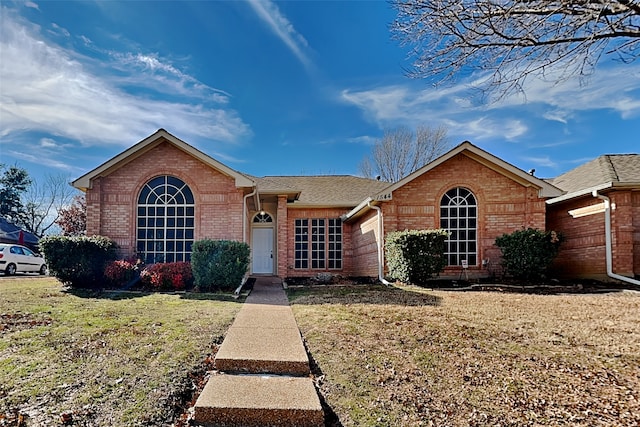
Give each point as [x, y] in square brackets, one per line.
[262, 247]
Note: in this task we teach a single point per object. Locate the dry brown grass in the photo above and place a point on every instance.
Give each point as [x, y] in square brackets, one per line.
[410, 357]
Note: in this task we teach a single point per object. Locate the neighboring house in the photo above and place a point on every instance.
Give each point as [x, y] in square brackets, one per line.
[608, 186]
[10, 233]
[159, 196]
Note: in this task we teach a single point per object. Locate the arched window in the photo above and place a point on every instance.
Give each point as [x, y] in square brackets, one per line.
[459, 216]
[262, 218]
[165, 220]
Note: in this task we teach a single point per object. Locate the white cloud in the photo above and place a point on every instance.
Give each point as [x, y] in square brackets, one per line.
[614, 88]
[462, 112]
[544, 161]
[50, 89]
[48, 161]
[557, 116]
[269, 12]
[364, 139]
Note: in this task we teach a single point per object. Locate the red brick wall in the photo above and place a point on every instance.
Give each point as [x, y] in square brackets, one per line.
[282, 232]
[583, 253]
[504, 206]
[635, 207]
[622, 230]
[111, 203]
[364, 245]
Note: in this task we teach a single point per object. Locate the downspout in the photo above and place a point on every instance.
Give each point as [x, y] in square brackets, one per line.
[607, 240]
[244, 233]
[244, 213]
[380, 245]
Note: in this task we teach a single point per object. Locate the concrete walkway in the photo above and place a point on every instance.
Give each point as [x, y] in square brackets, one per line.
[264, 377]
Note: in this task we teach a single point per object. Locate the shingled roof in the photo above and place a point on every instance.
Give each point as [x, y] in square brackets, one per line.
[321, 190]
[610, 168]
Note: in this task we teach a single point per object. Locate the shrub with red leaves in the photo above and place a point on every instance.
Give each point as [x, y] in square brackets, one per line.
[122, 271]
[171, 276]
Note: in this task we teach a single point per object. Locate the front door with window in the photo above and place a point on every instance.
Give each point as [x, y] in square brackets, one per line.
[262, 248]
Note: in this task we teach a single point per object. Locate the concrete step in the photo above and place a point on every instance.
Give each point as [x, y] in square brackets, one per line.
[272, 351]
[258, 400]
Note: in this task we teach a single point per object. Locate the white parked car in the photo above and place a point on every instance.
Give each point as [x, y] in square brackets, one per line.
[16, 258]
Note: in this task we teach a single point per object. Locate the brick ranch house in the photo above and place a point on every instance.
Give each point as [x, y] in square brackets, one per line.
[160, 195]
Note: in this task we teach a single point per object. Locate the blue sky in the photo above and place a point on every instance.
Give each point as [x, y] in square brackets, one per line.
[269, 88]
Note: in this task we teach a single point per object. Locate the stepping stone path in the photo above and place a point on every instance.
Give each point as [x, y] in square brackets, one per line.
[263, 376]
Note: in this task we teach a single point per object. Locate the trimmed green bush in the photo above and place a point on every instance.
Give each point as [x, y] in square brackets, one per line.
[528, 253]
[414, 256]
[78, 261]
[219, 264]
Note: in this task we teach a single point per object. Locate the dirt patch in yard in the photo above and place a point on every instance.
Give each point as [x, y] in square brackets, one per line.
[390, 356]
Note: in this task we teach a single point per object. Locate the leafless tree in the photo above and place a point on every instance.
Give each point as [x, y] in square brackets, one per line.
[400, 151]
[43, 202]
[512, 40]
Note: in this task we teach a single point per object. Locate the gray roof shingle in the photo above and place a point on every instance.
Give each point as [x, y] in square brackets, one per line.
[322, 190]
[620, 168]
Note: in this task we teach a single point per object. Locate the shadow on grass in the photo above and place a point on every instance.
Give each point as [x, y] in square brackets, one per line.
[361, 294]
[133, 290]
[331, 419]
[124, 294]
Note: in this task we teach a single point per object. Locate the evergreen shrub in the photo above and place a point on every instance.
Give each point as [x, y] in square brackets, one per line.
[78, 261]
[219, 264]
[414, 256]
[528, 253]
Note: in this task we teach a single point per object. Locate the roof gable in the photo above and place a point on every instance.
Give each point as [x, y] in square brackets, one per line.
[489, 160]
[85, 182]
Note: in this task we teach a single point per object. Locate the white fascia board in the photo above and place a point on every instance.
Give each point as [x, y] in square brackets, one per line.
[579, 193]
[590, 190]
[354, 211]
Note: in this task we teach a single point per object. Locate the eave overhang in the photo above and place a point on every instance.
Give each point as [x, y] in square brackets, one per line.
[85, 181]
[545, 190]
[607, 186]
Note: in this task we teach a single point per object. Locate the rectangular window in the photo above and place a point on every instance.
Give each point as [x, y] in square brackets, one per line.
[334, 235]
[301, 243]
[318, 247]
[323, 249]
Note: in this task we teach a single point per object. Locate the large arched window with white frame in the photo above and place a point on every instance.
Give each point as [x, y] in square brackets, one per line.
[459, 216]
[165, 220]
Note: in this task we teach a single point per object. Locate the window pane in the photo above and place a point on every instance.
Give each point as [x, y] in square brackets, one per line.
[161, 221]
[458, 216]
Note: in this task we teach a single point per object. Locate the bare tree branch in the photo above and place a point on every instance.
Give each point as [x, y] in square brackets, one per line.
[515, 39]
[43, 202]
[400, 152]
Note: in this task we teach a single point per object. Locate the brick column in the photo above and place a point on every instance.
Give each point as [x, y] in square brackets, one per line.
[282, 237]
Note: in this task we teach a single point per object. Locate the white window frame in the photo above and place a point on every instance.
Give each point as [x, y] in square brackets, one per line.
[459, 216]
[165, 220]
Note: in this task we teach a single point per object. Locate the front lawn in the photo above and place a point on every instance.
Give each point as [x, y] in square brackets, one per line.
[389, 356]
[102, 359]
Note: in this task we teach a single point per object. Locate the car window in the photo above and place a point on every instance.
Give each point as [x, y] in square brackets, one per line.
[16, 250]
[28, 252]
